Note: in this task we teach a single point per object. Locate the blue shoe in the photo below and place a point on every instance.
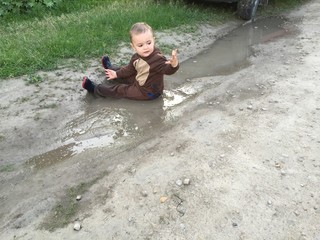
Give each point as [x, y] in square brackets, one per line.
[106, 62]
[88, 85]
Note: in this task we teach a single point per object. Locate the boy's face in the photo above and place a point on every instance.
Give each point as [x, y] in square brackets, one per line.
[143, 43]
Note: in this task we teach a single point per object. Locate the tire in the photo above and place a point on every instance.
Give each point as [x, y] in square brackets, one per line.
[247, 9]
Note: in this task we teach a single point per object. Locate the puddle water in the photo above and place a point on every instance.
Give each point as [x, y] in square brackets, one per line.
[230, 53]
[106, 120]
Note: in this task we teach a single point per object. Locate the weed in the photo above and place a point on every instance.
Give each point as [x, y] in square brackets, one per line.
[46, 106]
[7, 168]
[34, 79]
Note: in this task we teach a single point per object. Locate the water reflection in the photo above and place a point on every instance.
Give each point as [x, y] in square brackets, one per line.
[230, 53]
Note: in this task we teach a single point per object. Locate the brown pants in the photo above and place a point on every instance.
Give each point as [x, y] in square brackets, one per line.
[123, 88]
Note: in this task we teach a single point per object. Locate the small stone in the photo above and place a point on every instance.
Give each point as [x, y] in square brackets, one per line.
[234, 224]
[78, 198]
[155, 190]
[144, 193]
[179, 182]
[172, 154]
[182, 226]
[250, 107]
[186, 181]
[77, 226]
[163, 199]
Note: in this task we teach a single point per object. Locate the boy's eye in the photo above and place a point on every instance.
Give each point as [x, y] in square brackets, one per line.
[140, 45]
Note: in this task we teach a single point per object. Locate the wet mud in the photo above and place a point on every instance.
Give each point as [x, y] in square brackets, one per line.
[107, 122]
[55, 134]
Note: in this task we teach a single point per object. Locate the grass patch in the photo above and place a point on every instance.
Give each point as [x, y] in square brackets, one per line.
[86, 29]
[81, 32]
[34, 79]
[7, 168]
[276, 7]
[66, 209]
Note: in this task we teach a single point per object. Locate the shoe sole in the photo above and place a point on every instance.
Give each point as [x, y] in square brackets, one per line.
[84, 82]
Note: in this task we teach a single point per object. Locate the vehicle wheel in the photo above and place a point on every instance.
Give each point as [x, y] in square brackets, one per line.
[247, 8]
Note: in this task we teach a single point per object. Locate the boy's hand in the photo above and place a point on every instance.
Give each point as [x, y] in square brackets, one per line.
[110, 74]
[173, 60]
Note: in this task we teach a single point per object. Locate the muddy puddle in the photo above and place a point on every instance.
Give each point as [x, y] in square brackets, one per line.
[110, 122]
[231, 53]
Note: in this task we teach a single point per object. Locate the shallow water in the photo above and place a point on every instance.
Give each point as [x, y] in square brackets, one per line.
[230, 53]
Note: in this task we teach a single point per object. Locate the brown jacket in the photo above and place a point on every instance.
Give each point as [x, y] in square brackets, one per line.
[148, 73]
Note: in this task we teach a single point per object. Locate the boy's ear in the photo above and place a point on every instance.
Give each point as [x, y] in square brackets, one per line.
[131, 46]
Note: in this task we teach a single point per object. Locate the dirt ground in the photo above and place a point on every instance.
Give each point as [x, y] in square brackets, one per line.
[230, 156]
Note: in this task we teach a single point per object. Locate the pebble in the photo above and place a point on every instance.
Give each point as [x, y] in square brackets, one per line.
[155, 190]
[182, 226]
[179, 182]
[283, 173]
[277, 165]
[77, 226]
[78, 198]
[186, 181]
[144, 193]
[163, 199]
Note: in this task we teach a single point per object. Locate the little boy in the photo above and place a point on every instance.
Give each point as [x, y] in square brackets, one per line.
[143, 75]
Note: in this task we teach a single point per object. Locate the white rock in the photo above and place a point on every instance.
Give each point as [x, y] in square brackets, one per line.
[186, 181]
[77, 226]
[179, 182]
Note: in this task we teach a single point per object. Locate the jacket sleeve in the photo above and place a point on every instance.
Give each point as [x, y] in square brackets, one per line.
[128, 70]
[164, 68]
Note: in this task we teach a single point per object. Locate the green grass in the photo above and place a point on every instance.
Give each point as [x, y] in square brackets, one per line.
[279, 6]
[86, 29]
[7, 168]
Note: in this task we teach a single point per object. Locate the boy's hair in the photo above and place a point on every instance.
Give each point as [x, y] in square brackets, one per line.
[139, 27]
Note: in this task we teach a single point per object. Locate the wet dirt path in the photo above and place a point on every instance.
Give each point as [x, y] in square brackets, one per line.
[56, 146]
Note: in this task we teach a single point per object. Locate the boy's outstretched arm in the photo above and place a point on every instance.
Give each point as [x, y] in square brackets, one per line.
[174, 59]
